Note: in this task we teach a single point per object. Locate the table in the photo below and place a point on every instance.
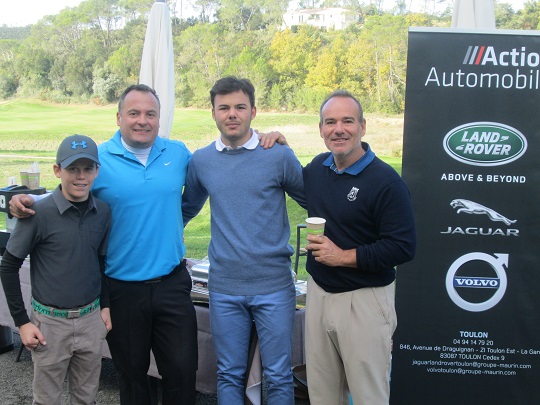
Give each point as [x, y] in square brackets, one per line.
[207, 372]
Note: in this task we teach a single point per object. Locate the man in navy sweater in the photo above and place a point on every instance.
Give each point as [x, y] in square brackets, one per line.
[350, 314]
[250, 276]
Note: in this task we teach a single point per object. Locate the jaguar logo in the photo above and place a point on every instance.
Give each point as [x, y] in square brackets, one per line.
[471, 207]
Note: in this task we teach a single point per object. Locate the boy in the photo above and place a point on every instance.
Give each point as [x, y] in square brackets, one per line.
[66, 240]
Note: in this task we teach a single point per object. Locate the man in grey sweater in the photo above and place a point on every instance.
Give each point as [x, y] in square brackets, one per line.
[250, 276]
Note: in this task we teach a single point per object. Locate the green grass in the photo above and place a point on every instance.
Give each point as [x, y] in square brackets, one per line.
[31, 131]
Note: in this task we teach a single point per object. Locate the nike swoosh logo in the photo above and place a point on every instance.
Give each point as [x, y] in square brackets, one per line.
[168, 163]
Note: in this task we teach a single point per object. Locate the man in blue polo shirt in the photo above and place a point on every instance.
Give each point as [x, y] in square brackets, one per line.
[141, 178]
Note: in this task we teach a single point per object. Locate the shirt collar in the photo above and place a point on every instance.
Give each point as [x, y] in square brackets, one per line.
[357, 166]
[117, 148]
[251, 144]
[63, 204]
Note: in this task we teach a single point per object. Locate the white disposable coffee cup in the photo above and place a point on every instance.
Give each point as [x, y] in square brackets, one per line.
[315, 225]
[33, 180]
[24, 178]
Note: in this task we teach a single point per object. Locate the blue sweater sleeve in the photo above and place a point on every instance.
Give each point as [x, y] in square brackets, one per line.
[194, 195]
[293, 181]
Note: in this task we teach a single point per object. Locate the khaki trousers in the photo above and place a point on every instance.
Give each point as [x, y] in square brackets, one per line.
[348, 345]
[74, 350]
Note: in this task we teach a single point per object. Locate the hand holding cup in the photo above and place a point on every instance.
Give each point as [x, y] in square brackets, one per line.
[315, 227]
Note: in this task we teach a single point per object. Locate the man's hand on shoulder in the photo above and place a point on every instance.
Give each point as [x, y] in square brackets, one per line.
[267, 140]
[18, 206]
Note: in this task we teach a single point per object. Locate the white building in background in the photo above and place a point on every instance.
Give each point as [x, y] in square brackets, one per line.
[327, 18]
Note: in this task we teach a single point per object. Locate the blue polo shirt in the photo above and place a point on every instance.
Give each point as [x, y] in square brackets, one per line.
[146, 236]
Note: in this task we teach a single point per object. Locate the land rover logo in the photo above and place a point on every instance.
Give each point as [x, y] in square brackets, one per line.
[485, 144]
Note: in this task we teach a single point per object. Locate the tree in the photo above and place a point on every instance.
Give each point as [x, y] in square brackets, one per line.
[505, 16]
[8, 49]
[104, 18]
[530, 16]
[252, 62]
[33, 63]
[401, 7]
[307, 4]
[294, 53]
[8, 77]
[378, 76]
[201, 57]
[106, 84]
[206, 9]
[19, 33]
[244, 15]
[133, 9]
[96, 47]
[327, 72]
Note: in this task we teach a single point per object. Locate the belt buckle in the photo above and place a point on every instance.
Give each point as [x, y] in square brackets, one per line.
[73, 314]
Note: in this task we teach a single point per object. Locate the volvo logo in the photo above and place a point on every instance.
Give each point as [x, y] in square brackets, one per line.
[498, 262]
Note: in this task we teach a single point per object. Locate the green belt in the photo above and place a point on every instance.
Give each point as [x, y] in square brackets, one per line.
[65, 313]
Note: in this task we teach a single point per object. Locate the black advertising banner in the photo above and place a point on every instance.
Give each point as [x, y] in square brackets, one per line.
[469, 304]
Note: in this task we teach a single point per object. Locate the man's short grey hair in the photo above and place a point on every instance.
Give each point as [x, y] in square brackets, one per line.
[344, 94]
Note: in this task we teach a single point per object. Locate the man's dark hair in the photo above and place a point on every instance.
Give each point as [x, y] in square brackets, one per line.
[345, 94]
[231, 84]
[137, 87]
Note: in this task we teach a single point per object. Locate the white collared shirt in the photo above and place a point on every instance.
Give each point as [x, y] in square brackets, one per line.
[250, 144]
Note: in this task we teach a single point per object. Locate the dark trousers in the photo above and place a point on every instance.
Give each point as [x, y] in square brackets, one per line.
[156, 315]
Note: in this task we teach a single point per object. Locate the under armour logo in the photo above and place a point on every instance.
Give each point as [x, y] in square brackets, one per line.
[75, 144]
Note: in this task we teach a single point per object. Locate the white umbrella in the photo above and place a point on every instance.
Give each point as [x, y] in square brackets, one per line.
[474, 14]
[157, 63]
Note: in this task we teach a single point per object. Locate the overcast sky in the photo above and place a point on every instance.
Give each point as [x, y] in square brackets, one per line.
[18, 13]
